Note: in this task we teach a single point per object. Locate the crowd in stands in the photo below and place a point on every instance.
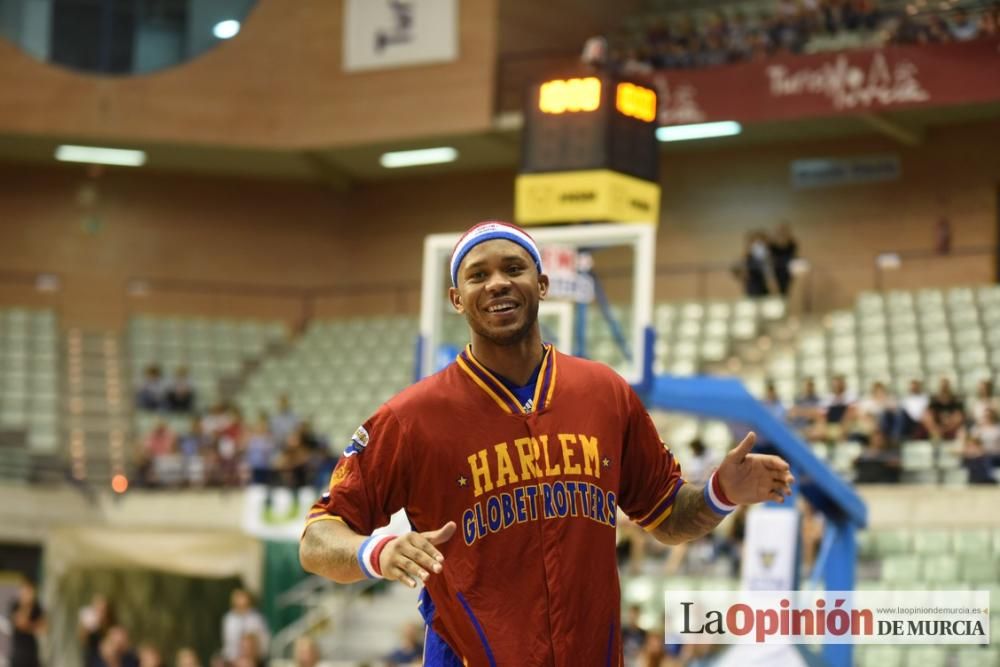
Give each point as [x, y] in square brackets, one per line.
[158, 394]
[681, 42]
[883, 422]
[219, 448]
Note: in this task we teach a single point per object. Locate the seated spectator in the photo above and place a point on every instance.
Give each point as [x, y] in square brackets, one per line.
[977, 462]
[217, 420]
[305, 653]
[411, 647]
[988, 434]
[250, 654]
[158, 443]
[838, 412]
[27, 622]
[989, 22]
[168, 468]
[242, 620]
[772, 402]
[963, 28]
[878, 463]
[807, 409]
[116, 650]
[260, 450]
[93, 622]
[186, 657]
[152, 393]
[984, 401]
[914, 407]
[703, 461]
[633, 634]
[149, 656]
[879, 411]
[193, 447]
[945, 415]
[180, 396]
[229, 448]
[284, 421]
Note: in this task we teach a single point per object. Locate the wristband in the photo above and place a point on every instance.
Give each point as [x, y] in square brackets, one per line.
[368, 554]
[715, 498]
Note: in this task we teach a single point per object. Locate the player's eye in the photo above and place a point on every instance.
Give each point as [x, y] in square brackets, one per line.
[515, 269]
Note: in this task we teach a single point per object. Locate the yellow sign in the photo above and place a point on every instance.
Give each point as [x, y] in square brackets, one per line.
[636, 101]
[585, 196]
[569, 95]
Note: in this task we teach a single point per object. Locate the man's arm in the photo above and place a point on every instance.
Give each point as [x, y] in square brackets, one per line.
[745, 478]
[691, 518]
[330, 549]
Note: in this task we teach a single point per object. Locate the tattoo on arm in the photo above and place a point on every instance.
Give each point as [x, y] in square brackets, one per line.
[691, 518]
[330, 550]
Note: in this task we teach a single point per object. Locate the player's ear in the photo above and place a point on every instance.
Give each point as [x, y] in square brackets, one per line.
[543, 286]
[456, 300]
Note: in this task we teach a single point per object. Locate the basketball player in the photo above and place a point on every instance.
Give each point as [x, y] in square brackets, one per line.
[511, 464]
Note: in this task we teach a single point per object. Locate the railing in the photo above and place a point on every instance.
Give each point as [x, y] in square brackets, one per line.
[31, 289]
[915, 269]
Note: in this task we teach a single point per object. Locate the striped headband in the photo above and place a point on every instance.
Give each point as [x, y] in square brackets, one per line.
[488, 231]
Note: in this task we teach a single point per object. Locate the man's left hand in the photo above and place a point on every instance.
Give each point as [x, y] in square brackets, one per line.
[753, 478]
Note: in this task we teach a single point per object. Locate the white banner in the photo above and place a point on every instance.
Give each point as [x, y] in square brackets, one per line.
[380, 34]
[769, 548]
[828, 617]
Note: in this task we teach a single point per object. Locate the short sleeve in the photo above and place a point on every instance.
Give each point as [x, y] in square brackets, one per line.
[369, 483]
[651, 476]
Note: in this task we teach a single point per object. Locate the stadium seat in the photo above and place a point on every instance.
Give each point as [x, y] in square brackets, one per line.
[941, 569]
[932, 542]
[926, 656]
[901, 571]
[882, 656]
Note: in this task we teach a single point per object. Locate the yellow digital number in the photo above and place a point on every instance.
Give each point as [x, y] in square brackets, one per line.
[636, 102]
[570, 95]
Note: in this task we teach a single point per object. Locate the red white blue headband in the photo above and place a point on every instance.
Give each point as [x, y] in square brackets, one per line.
[489, 231]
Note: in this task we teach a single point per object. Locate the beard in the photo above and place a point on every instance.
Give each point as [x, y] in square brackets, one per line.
[506, 337]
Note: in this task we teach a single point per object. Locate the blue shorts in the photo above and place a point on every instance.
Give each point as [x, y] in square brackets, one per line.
[437, 653]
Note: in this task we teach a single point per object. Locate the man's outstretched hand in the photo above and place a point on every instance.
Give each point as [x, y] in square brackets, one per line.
[753, 478]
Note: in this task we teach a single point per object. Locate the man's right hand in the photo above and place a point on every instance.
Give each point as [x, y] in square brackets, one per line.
[413, 556]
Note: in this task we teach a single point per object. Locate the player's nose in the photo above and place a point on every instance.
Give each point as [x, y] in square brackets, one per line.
[497, 282]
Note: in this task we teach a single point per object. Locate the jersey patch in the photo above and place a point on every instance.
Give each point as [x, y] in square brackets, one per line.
[358, 442]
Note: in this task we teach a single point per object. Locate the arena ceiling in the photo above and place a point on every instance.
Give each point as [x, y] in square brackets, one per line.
[341, 168]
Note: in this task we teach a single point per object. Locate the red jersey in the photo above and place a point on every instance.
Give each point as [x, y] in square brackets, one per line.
[530, 577]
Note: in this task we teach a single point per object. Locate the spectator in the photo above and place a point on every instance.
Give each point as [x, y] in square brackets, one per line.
[149, 656]
[250, 654]
[168, 468]
[983, 401]
[410, 648]
[116, 650]
[633, 635]
[180, 396]
[989, 22]
[757, 274]
[158, 443]
[807, 408]
[988, 434]
[977, 462]
[963, 27]
[186, 657]
[27, 621]
[152, 393]
[242, 619]
[946, 414]
[216, 421]
[703, 461]
[783, 248]
[914, 406]
[838, 411]
[192, 447]
[260, 450]
[306, 653]
[284, 421]
[229, 448]
[93, 623]
[879, 412]
[877, 463]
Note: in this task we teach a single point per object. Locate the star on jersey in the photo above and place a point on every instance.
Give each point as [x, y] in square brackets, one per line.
[462, 481]
[606, 462]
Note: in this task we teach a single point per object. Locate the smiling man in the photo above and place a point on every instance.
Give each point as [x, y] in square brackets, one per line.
[511, 464]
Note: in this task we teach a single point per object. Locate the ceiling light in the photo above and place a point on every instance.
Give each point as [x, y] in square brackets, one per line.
[416, 158]
[118, 157]
[226, 29]
[723, 128]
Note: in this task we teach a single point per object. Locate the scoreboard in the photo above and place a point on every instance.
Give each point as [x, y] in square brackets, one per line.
[589, 152]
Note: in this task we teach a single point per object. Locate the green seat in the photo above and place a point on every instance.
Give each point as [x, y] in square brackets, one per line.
[941, 569]
[901, 570]
[979, 569]
[893, 542]
[978, 542]
[932, 542]
[882, 656]
[926, 656]
[977, 656]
